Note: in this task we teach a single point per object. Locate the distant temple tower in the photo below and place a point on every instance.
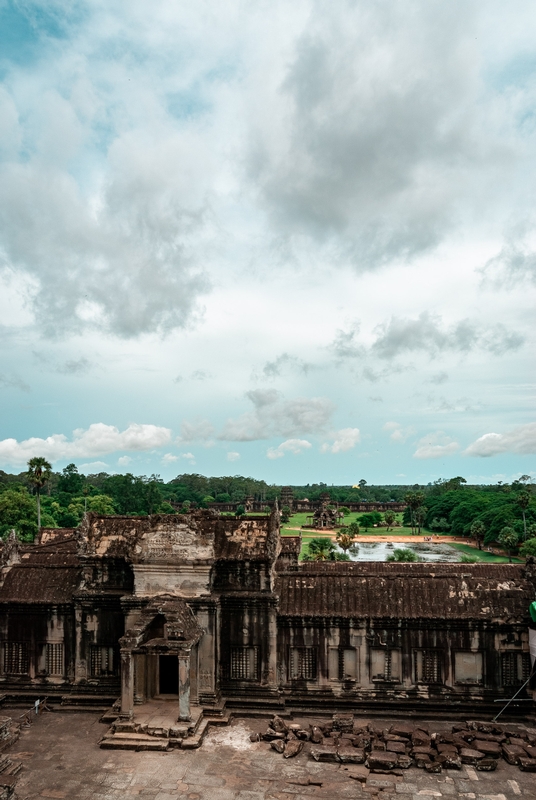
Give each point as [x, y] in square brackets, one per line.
[287, 497]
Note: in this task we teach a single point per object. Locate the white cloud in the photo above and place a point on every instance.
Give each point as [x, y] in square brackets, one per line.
[232, 456]
[294, 446]
[189, 457]
[123, 461]
[397, 432]
[520, 440]
[436, 445]
[345, 439]
[195, 431]
[169, 458]
[93, 467]
[275, 416]
[98, 439]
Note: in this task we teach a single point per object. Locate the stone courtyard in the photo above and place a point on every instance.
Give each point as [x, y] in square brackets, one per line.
[61, 759]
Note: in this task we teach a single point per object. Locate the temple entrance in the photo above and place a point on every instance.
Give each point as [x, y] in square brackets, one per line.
[169, 675]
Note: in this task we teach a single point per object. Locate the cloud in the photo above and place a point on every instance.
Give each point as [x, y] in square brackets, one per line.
[379, 132]
[516, 261]
[275, 416]
[98, 439]
[169, 458]
[294, 446]
[520, 440]
[93, 467]
[427, 334]
[77, 366]
[436, 445]
[345, 344]
[195, 431]
[284, 362]
[233, 456]
[345, 439]
[189, 457]
[200, 375]
[439, 377]
[124, 461]
[13, 382]
[397, 432]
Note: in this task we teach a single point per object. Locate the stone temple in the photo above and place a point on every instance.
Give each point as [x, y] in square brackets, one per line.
[212, 613]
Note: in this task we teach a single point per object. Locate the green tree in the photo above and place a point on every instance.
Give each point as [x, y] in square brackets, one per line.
[523, 501]
[285, 514]
[370, 519]
[403, 554]
[344, 511]
[414, 501]
[70, 480]
[528, 548]
[508, 539]
[478, 531]
[345, 538]
[389, 518]
[319, 549]
[353, 529]
[38, 474]
[240, 511]
[18, 510]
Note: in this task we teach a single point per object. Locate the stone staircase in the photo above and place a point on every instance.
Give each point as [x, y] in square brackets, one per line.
[138, 734]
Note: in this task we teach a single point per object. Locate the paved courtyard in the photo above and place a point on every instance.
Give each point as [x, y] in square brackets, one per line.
[61, 759]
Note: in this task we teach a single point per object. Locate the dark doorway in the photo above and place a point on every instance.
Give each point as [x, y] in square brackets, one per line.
[169, 675]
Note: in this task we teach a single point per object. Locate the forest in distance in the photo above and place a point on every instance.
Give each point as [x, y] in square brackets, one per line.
[450, 506]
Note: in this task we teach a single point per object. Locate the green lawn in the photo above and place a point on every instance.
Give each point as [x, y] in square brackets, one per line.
[297, 520]
[483, 555]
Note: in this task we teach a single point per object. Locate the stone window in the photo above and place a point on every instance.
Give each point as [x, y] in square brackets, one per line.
[385, 664]
[103, 661]
[303, 663]
[342, 664]
[244, 663]
[515, 668]
[468, 667]
[428, 666]
[55, 659]
[16, 660]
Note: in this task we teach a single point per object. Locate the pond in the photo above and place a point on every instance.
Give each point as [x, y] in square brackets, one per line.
[378, 551]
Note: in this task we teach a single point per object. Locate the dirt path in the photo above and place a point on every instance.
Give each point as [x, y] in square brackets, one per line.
[387, 537]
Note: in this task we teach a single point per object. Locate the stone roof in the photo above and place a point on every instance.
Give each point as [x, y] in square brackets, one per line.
[48, 573]
[406, 591]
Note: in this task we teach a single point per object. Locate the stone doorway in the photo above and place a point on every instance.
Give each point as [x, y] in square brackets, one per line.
[168, 680]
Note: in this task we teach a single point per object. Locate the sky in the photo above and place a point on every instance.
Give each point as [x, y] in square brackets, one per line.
[294, 241]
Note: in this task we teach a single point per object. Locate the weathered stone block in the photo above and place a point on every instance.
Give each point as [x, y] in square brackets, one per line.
[420, 738]
[527, 764]
[316, 735]
[513, 752]
[488, 748]
[487, 765]
[404, 762]
[351, 755]
[359, 773]
[279, 725]
[470, 756]
[378, 759]
[292, 748]
[433, 766]
[396, 747]
[324, 754]
[402, 729]
[278, 745]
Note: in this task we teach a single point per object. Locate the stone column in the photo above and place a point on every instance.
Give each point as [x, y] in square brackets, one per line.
[127, 683]
[139, 679]
[184, 685]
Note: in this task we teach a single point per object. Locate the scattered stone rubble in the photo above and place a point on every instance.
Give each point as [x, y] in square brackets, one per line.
[9, 733]
[403, 745]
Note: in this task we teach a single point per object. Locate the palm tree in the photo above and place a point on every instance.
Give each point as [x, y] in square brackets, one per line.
[319, 549]
[477, 532]
[523, 501]
[389, 517]
[39, 472]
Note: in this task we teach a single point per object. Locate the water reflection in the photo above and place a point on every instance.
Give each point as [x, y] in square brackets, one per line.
[378, 551]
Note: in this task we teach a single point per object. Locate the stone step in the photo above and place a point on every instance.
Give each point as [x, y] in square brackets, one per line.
[133, 741]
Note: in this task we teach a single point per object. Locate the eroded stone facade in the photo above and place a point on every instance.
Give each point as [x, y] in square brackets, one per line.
[217, 611]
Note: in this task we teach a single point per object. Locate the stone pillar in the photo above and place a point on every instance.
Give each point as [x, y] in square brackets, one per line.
[272, 638]
[139, 678]
[127, 683]
[184, 685]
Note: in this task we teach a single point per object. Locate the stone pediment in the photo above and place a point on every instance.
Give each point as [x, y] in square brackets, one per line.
[174, 543]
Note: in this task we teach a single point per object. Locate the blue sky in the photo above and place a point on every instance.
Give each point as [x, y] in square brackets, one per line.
[293, 242]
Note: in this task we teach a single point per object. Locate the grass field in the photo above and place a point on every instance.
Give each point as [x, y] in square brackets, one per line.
[298, 520]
